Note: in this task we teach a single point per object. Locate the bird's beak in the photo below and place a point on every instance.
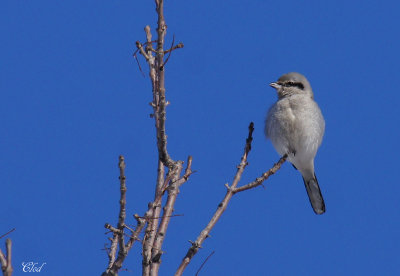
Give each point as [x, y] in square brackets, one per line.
[275, 85]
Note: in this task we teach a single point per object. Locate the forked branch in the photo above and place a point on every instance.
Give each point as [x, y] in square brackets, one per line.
[115, 260]
[231, 190]
[5, 259]
[169, 173]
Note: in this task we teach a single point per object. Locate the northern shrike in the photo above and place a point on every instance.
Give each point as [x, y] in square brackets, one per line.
[295, 126]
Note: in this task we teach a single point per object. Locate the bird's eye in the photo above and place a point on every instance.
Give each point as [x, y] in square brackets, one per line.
[290, 83]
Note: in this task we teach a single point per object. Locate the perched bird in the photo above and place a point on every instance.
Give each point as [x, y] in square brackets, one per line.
[295, 126]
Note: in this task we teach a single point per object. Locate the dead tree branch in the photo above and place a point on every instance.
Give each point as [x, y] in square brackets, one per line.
[208, 257]
[12, 230]
[151, 228]
[173, 190]
[231, 190]
[157, 76]
[156, 230]
[160, 104]
[263, 177]
[122, 206]
[118, 239]
[5, 259]
[169, 173]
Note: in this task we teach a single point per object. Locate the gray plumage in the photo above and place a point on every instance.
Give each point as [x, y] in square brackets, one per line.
[295, 126]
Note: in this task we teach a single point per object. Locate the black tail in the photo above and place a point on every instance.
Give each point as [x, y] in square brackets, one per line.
[314, 194]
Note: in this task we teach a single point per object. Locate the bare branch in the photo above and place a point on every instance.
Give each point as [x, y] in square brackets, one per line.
[12, 230]
[188, 170]
[148, 50]
[157, 225]
[155, 237]
[152, 246]
[263, 177]
[9, 268]
[5, 259]
[139, 46]
[112, 229]
[172, 48]
[160, 105]
[231, 190]
[173, 190]
[148, 35]
[151, 229]
[114, 265]
[171, 216]
[157, 77]
[155, 230]
[221, 207]
[135, 235]
[111, 252]
[178, 46]
[208, 257]
[138, 63]
[166, 60]
[122, 205]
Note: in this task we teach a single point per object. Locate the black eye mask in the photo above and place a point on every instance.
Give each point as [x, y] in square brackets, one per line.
[293, 84]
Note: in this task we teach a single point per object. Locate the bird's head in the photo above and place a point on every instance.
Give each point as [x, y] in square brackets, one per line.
[292, 84]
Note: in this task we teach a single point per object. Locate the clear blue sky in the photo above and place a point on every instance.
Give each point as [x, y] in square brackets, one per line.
[73, 99]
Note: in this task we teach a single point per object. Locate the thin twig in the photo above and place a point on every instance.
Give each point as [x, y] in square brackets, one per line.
[2, 236]
[140, 48]
[172, 48]
[177, 46]
[135, 235]
[112, 229]
[188, 170]
[149, 47]
[146, 52]
[263, 177]
[138, 63]
[198, 271]
[171, 216]
[166, 60]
